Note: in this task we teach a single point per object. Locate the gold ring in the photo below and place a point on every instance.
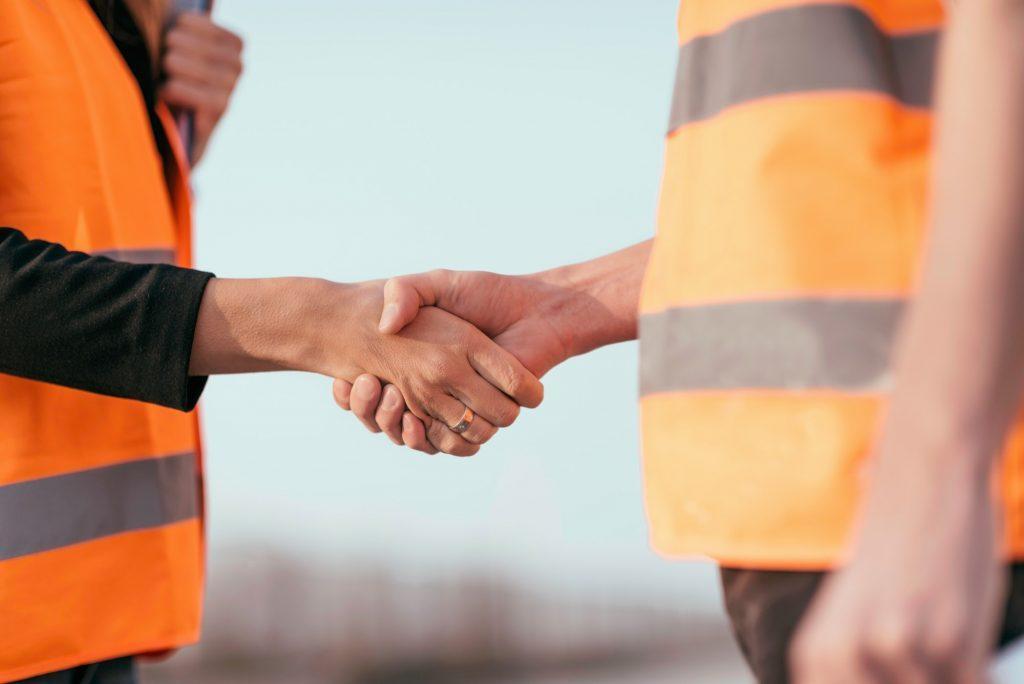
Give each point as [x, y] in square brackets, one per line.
[463, 425]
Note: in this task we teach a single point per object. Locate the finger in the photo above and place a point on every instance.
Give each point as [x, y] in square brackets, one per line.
[202, 24]
[403, 298]
[389, 413]
[825, 657]
[196, 96]
[342, 390]
[223, 48]
[504, 371]
[479, 431]
[828, 671]
[179, 65]
[443, 439]
[405, 295]
[446, 411]
[488, 403]
[415, 435]
[365, 396]
[444, 407]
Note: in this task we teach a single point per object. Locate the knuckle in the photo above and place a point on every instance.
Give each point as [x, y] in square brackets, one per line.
[515, 383]
[171, 87]
[173, 38]
[440, 437]
[450, 443]
[432, 404]
[465, 450]
[827, 651]
[892, 639]
[442, 366]
[506, 414]
[480, 435]
[384, 418]
[944, 644]
[228, 37]
[413, 438]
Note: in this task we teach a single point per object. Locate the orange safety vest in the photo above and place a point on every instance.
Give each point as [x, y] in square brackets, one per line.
[101, 545]
[789, 232]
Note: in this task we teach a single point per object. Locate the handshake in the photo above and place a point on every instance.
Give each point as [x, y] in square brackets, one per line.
[438, 361]
[453, 356]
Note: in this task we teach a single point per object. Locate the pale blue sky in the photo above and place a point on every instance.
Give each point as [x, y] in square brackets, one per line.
[378, 137]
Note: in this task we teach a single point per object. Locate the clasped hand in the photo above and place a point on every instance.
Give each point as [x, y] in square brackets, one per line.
[436, 366]
[510, 320]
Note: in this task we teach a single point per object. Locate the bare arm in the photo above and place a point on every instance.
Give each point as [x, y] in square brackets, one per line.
[586, 305]
[960, 365]
[920, 596]
[600, 298]
[440, 363]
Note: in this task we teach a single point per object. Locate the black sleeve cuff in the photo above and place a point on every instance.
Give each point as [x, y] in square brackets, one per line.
[176, 298]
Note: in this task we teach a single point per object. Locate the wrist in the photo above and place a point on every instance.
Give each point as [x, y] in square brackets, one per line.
[927, 491]
[925, 438]
[564, 304]
[591, 307]
[320, 321]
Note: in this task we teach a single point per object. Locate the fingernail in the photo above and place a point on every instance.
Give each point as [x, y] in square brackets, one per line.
[391, 399]
[364, 388]
[388, 316]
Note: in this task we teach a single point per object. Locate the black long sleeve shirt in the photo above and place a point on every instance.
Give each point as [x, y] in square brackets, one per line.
[94, 324]
[99, 325]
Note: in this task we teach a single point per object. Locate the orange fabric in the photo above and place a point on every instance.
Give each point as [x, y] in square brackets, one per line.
[79, 166]
[147, 603]
[808, 195]
[743, 214]
[701, 17]
[713, 458]
[730, 474]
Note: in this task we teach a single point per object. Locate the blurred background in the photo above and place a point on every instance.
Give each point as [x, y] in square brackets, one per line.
[376, 137]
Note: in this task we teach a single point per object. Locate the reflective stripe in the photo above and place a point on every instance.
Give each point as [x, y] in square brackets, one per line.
[51, 512]
[139, 256]
[801, 49]
[840, 344]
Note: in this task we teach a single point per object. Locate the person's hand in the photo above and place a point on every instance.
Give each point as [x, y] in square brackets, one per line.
[919, 601]
[516, 311]
[439, 365]
[202, 63]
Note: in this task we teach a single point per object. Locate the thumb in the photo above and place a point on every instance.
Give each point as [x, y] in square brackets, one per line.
[403, 297]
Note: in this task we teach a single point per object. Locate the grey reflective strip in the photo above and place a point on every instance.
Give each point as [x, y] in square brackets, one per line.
[139, 256]
[840, 344]
[51, 512]
[801, 49]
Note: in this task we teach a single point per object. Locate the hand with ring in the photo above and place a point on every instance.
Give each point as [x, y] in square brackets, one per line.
[517, 312]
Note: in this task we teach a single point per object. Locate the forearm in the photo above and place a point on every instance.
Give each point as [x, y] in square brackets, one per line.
[597, 300]
[268, 324]
[959, 366]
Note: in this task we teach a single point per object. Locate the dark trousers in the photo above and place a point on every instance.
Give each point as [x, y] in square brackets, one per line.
[765, 607]
[117, 671]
